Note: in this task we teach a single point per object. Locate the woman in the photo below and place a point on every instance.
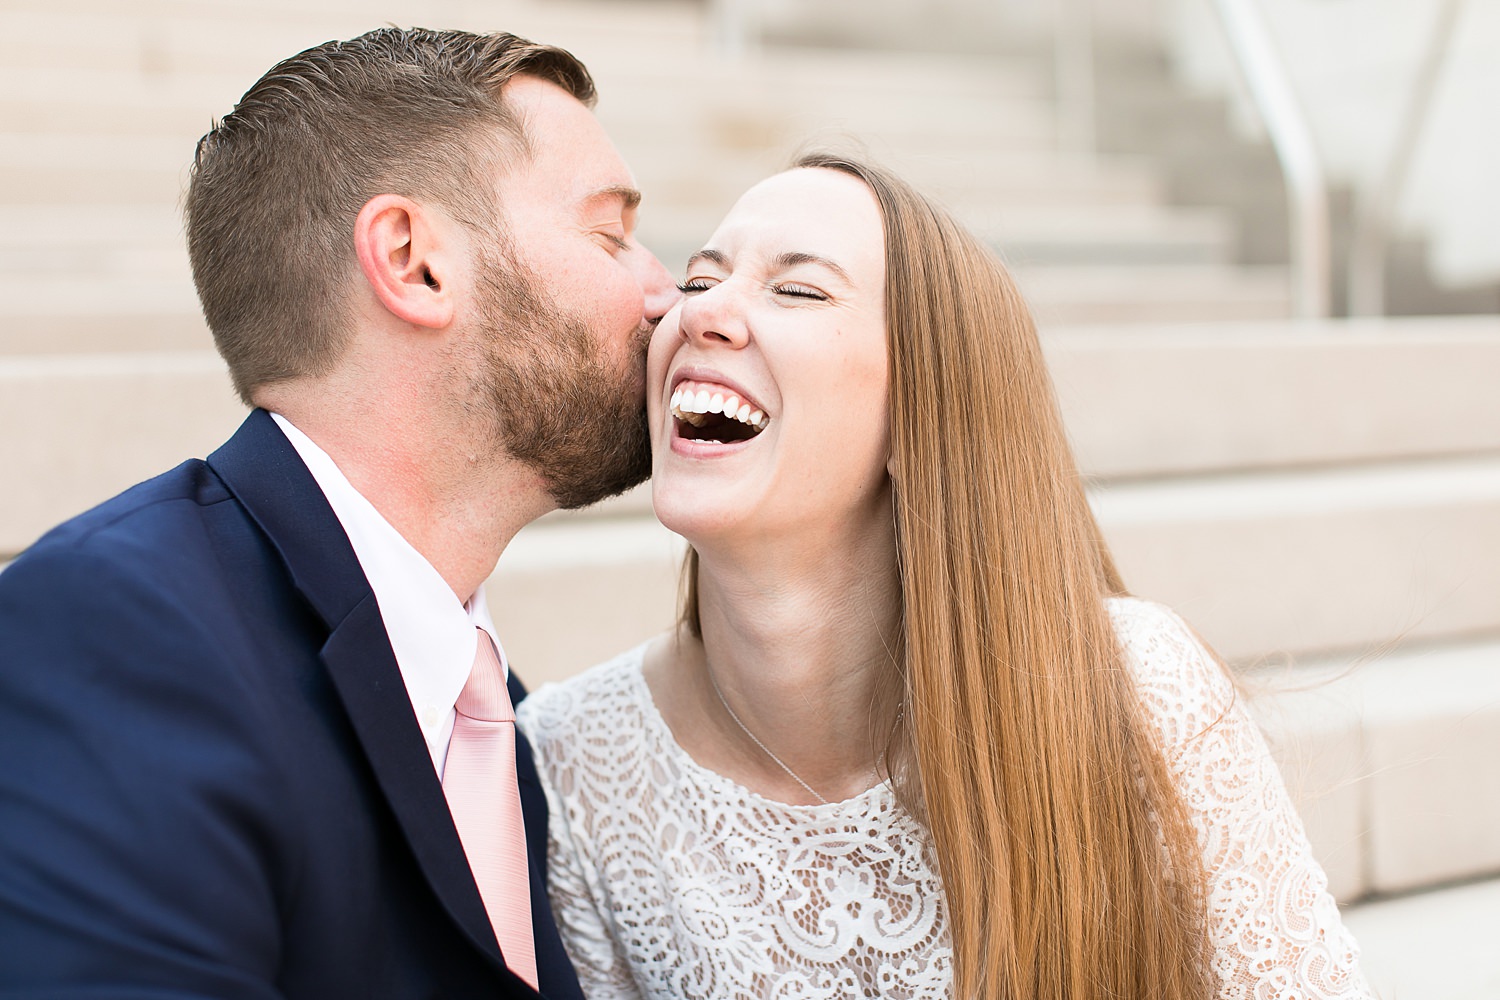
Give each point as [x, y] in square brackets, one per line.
[911, 738]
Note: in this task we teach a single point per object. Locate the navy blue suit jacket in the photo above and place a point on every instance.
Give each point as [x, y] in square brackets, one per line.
[212, 782]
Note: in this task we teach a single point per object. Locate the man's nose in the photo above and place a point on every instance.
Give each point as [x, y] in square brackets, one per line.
[657, 285]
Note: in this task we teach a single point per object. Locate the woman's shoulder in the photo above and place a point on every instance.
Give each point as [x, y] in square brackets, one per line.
[561, 712]
[1182, 683]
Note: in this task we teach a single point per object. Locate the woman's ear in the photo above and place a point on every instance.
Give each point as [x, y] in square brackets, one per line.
[405, 259]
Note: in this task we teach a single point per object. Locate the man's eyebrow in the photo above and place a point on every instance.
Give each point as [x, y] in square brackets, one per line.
[629, 195]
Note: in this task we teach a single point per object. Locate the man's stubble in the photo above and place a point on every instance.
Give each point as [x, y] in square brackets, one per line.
[560, 403]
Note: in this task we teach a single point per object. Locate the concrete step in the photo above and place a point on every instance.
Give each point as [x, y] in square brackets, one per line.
[105, 278]
[683, 80]
[93, 241]
[1138, 234]
[708, 172]
[168, 39]
[764, 119]
[101, 325]
[621, 573]
[56, 151]
[1025, 234]
[103, 294]
[704, 174]
[1158, 400]
[76, 430]
[1387, 755]
[975, 132]
[115, 107]
[916, 74]
[68, 170]
[1270, 564]
[1141, 402]
[1432, 945]
[1140, 293]
[54, 315]
[192, 34]
[1159, 403]
[1145, 407]
[1265, 566]
[121, 297]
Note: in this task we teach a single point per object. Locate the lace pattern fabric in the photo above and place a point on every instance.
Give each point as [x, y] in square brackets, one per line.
[669, 880]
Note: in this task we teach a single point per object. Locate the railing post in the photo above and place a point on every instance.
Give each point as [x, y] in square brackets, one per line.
[734, 34]
[1073, 73]
[1307, 191]
[1376, 209]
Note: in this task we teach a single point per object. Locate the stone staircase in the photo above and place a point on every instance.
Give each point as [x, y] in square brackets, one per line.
[104, 105]
[1321, 500]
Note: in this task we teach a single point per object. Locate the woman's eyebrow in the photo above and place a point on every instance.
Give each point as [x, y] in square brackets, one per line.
[792, 258]
[712, 256]
[783, 261]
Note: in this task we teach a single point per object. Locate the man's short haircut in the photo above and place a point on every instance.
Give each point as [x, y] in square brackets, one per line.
[278, 183]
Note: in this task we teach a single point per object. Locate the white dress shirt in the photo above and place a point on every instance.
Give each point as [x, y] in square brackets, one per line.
[431, 631]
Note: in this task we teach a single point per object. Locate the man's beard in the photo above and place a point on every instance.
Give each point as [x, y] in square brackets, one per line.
[560, 404]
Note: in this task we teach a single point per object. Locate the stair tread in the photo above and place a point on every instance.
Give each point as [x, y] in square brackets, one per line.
[1438, 943]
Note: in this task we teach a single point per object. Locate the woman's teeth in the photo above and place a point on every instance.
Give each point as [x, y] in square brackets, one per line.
[695, 407]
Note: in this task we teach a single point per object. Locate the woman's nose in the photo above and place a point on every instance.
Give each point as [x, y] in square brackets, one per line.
[715, 316]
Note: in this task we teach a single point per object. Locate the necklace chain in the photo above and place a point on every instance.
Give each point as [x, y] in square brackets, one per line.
[756, 740]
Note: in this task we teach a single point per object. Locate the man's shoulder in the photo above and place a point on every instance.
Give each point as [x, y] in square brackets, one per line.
[145, 520]
[129, 552]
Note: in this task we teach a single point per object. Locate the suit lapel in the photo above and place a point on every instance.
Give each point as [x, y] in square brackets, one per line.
[269, 479]
[533, 799]
[364, 671]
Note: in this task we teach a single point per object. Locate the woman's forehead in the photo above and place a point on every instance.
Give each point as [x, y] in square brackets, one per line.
[814, 211]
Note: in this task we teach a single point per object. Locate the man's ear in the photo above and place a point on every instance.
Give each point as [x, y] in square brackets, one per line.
[405, 260]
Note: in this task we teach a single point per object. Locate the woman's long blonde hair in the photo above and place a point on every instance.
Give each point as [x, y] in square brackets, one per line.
[1068, 863]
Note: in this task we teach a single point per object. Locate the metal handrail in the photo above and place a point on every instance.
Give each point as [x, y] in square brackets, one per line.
[1073, 74]
[733, 32]
[1372, 226]
[1302, 168]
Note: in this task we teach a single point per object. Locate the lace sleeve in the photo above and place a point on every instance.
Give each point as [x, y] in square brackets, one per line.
[1275, 930]
[603, 972]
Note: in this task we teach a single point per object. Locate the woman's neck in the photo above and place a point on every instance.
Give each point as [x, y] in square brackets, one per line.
[798, 639]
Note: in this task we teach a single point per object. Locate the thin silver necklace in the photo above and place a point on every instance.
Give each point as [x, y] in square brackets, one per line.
[756, 740]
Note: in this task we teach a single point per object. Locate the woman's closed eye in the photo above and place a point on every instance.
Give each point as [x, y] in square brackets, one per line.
[790, 289]
[799, 291]
[692, 285]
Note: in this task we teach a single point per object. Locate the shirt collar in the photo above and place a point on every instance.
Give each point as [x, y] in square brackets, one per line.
[430, 630]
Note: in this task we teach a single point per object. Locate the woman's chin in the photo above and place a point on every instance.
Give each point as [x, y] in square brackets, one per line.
[698, 522]
[698, 511]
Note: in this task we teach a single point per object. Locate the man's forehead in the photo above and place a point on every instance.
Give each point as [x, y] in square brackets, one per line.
[569, 154]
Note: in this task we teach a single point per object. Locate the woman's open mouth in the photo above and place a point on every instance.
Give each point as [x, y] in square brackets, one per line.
[714, 414]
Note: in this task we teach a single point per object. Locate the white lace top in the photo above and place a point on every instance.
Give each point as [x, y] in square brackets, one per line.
[671, 881]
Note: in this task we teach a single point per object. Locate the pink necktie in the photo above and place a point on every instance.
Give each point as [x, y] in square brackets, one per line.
[479, 780]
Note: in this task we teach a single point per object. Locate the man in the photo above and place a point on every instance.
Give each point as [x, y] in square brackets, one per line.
[233, 699]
